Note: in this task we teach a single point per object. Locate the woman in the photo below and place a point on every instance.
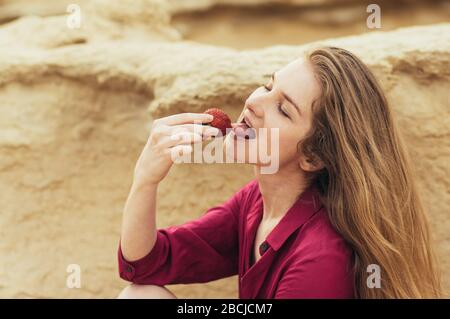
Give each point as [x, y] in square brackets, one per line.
[341, 218]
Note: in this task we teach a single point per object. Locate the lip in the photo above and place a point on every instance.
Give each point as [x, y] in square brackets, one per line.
[248, 129]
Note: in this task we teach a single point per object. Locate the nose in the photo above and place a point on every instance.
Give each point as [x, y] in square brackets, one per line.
[259, 101]
[253, 107]
[249, 107]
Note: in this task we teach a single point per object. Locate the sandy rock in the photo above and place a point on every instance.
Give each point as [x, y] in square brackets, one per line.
[194, 5]
[11, 9]
[74, 119]
[150, 17]
[180, 6]
[100, 20]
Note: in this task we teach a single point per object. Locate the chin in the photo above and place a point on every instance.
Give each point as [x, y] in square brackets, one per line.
[247, 150]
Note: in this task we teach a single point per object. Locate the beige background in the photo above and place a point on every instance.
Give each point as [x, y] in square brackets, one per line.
[76, 107]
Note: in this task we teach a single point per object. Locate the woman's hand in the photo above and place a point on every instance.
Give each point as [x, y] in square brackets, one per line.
[169, 135]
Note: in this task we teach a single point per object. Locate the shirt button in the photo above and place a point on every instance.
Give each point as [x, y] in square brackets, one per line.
[263, 247]
[128, 268]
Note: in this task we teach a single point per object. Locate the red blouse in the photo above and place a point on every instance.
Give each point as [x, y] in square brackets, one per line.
[302, 257]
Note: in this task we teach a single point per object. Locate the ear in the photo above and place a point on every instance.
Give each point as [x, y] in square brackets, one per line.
[310, 165]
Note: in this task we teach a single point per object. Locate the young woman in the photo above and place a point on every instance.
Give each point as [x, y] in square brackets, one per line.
[342, 206]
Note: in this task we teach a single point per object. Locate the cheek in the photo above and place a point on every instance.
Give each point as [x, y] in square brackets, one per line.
[288, 146]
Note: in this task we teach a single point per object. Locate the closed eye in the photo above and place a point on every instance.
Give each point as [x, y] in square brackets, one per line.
[280, 109]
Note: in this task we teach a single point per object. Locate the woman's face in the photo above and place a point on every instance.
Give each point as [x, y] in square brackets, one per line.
[283, 103]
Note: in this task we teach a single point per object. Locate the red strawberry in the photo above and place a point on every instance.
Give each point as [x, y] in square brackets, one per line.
[220, 121]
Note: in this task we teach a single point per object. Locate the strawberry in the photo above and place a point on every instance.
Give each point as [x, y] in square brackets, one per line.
[221, 119]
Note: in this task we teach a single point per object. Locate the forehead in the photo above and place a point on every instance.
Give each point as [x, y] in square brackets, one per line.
[297, 80]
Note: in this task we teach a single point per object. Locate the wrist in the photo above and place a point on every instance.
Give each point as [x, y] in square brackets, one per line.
[140, 184]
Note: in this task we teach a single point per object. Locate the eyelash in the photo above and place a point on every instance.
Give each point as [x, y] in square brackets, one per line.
[278, 104]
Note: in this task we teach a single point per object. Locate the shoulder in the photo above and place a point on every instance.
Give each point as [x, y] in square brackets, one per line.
[249, 193]
[251, 187]
[242, 199]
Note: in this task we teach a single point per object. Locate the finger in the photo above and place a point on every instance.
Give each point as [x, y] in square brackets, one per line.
[179, 151]
[184, 118]
[180, 139]
[196, 128]
[158, 133]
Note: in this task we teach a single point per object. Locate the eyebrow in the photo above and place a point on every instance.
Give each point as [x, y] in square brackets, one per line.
[287, 97]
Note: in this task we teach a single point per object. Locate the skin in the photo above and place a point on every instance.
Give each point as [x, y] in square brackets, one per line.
[279, 191]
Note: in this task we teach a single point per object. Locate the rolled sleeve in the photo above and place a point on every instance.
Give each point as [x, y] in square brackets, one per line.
[198, 251]
[133, 270]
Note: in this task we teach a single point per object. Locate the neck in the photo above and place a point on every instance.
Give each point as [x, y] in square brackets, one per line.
[280, 191]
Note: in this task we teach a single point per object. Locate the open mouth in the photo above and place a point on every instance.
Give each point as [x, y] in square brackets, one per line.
[244, 130]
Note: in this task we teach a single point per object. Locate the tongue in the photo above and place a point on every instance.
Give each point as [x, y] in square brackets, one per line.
[243, 131]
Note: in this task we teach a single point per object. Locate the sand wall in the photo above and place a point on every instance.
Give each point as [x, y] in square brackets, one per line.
[75, 114]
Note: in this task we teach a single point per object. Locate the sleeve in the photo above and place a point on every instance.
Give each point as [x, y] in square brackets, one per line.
[198, 251]
[318, 274]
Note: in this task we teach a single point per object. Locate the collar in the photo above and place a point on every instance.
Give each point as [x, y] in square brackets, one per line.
[303, 209]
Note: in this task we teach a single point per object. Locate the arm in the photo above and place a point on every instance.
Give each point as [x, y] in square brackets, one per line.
[139, 222]
[170, 135]
[198, 251]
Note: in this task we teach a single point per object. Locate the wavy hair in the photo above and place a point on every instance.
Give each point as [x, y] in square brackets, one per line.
[367, 183]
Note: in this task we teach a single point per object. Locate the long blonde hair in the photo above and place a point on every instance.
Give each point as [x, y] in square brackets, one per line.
[367, 183]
